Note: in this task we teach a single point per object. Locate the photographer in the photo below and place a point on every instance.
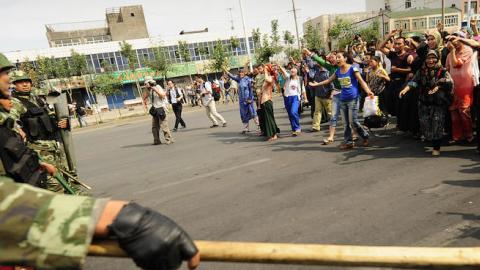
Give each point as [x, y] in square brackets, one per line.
[158, 110]
[209, 103]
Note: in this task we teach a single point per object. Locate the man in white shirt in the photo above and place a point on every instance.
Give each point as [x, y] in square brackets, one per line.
[209, 103]
[175, 97]
[159, 110]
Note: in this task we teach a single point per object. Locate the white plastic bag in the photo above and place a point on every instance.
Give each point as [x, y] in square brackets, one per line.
[370, 106]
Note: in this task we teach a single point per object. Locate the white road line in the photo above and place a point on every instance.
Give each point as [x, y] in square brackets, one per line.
[200, 176]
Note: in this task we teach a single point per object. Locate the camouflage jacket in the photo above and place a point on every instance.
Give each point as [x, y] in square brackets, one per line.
[45, 230]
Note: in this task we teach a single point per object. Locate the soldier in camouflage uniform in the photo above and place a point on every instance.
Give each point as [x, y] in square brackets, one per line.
[47, 230]
[41, 127]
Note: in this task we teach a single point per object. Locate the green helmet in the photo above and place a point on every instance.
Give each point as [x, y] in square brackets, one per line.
[19, 75]
[5, 65]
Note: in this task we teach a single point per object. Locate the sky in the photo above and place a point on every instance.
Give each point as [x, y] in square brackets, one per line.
[24, 20]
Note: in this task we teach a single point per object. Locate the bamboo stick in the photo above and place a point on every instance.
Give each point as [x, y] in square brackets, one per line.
[308, 254]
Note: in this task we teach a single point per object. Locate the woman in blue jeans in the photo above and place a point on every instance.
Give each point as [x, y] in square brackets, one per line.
[293, 91]
[349, 78]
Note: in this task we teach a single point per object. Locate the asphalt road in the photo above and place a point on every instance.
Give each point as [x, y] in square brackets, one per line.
[221, 185]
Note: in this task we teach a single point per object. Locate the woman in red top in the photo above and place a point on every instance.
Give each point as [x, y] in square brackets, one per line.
[459, 65]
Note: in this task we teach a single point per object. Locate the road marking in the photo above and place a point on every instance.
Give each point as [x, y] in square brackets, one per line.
[200, 176]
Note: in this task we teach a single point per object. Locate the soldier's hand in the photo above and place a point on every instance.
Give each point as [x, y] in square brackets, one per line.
[49, 168]
[63, 124]
[153, 240]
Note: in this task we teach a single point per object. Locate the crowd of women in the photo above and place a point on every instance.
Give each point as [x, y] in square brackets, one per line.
[426, 83]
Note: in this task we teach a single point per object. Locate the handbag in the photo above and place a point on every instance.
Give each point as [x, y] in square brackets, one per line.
[157, 112]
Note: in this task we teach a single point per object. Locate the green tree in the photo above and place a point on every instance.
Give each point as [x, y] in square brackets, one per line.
[256, 36]
[78, 66]
[342, 31]
[220, 58]
[64, 73]
[235, 43]
[46, 70]
[312, 38]
[106, 84]
[294, 53]
[371, 32]
[28, 68]
[160, 63]
[185, 55]
[127, 51]
[288, 38]
[275, 36]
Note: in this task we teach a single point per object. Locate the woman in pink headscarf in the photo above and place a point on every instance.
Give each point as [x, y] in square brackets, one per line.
[459, 65]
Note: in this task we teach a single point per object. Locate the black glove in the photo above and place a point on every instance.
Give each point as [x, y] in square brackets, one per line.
[151, 239]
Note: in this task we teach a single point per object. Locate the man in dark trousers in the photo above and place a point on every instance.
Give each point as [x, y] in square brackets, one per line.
[175, 96]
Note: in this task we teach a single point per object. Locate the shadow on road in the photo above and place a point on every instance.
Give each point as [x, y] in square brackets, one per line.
[136, 145]
[464, 183]
[470, 231]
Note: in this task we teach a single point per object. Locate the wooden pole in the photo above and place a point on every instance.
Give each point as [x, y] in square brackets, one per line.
[308, 254]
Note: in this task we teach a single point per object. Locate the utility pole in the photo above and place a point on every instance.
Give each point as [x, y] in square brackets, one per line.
[246, 37]
[443, 12]
[469, 10]
[296, 23]
[231, 19]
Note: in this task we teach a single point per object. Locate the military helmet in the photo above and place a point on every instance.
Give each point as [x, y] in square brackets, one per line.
[19, 75]
[5, 64]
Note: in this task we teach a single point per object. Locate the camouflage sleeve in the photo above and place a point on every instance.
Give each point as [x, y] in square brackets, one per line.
[43, 229]
[18, 109]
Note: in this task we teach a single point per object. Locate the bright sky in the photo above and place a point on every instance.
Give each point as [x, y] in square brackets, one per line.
[24, 20]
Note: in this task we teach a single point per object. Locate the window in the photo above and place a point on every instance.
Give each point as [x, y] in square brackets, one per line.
[408, 4]
[474, 6]
[132, 14]
[402, 24]
[419, 24]
[433, 21]
[451, 20]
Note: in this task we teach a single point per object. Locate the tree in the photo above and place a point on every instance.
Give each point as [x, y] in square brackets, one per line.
[127, 51]
[185, 55]
[63, 72]
[106, 84]
[371, 32]
[342, 31]
[78, 66]
[275, 36]
[160, 63]
[288, 38]
[256, 36]
[235, 43]
[294, 53]
[220, 58]
[312, 38]
[28, 68]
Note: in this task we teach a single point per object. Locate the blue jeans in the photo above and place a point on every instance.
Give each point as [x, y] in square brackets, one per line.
[350, 117]
[335, 110]
[292, 104]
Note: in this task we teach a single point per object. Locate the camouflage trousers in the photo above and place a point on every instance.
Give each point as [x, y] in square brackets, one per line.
[51, 152]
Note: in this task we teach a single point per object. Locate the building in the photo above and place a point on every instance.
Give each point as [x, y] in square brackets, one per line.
[200, 46]
[324, 22]
[123, 23]
[403, 5]
[421, 20]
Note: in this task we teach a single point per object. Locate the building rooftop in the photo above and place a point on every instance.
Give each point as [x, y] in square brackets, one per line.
[74, 26]
[421, 12]
[113, 46]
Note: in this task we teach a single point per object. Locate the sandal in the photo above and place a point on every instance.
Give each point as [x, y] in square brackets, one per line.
[327, 141]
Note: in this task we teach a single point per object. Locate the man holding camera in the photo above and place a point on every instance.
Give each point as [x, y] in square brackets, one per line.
[158, 110]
